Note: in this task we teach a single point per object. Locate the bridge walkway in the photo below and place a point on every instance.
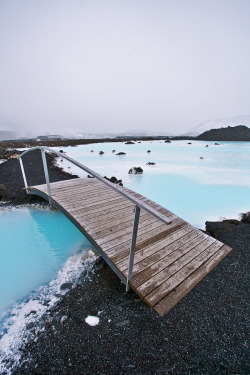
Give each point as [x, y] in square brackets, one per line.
[169, 260]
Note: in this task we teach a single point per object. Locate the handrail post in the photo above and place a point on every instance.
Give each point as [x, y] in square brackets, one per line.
[132, 245]
[45, 167]
[24, 175]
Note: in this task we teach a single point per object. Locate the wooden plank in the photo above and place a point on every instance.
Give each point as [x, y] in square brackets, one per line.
[147, 287]
[117, 224]
[145, 237]
[120, 252]
[95, 208]
[78, 190]
[111, 209]
[155, 262]
[168, 260]
[151, 249]
[162, 290]
[176, 295]
[127, 236]
[88, 206]
[144, 233]
[108, 219]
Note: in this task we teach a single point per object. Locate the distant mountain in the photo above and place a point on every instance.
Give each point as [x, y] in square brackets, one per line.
[220, 123]
[237, 133]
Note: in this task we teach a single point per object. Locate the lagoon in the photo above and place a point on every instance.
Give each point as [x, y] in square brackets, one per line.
[215, 187]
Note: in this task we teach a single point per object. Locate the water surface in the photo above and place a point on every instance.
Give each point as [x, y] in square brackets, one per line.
[196, 182]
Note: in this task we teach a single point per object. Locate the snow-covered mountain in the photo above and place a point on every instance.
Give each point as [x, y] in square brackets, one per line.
[220, 123]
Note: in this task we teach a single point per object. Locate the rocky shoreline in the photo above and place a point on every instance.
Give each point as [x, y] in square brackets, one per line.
[206, 333]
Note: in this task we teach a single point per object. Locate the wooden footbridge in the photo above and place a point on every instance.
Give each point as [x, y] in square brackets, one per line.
[156, 253]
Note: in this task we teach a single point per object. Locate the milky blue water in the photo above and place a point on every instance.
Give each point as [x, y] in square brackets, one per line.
[196, 189]
[35, 242]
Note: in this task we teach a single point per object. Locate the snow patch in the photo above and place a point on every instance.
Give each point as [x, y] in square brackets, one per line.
[92, 320]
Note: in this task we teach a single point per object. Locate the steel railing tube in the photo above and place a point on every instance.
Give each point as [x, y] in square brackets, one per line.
[46, 173]
[24, 175]
[132, 245]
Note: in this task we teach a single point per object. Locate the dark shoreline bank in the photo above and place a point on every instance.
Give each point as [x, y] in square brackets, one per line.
[204, 334]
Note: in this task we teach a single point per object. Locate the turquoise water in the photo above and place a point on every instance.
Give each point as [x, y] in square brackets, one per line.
[35, 243]
[196, 189]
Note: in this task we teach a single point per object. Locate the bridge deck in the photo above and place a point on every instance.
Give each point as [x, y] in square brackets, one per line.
[169, 259]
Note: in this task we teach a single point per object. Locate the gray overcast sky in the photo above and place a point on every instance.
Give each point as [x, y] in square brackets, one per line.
[117, 65]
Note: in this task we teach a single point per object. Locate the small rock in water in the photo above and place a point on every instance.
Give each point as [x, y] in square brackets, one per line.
[135, 170]
[66, 286]
[101, 152]
[150, 163]
[201, 158]
[121, 153]
[148, 151]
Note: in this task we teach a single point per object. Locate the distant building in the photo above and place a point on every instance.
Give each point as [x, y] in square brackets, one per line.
[48, 138]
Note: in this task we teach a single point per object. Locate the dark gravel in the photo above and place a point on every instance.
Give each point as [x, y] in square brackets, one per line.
[11, 177]
[206, 333]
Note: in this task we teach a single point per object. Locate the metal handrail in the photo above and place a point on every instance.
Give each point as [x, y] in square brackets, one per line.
[137, 202]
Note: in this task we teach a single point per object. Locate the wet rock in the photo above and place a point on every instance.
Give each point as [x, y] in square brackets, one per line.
[91, 150]
[30, 325]
[232, 221]
[129, 143]
[150, 163]
[101, 152]
[66, 286]
[148, 151]
[88, 176]
[121, 153]
[61, 151]
[245, 217]
[167, 141]
[113, 151]
[135, 170]
[206, 146]
[114, 180]
[201, 158]
[217, 144]
[189, 143]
